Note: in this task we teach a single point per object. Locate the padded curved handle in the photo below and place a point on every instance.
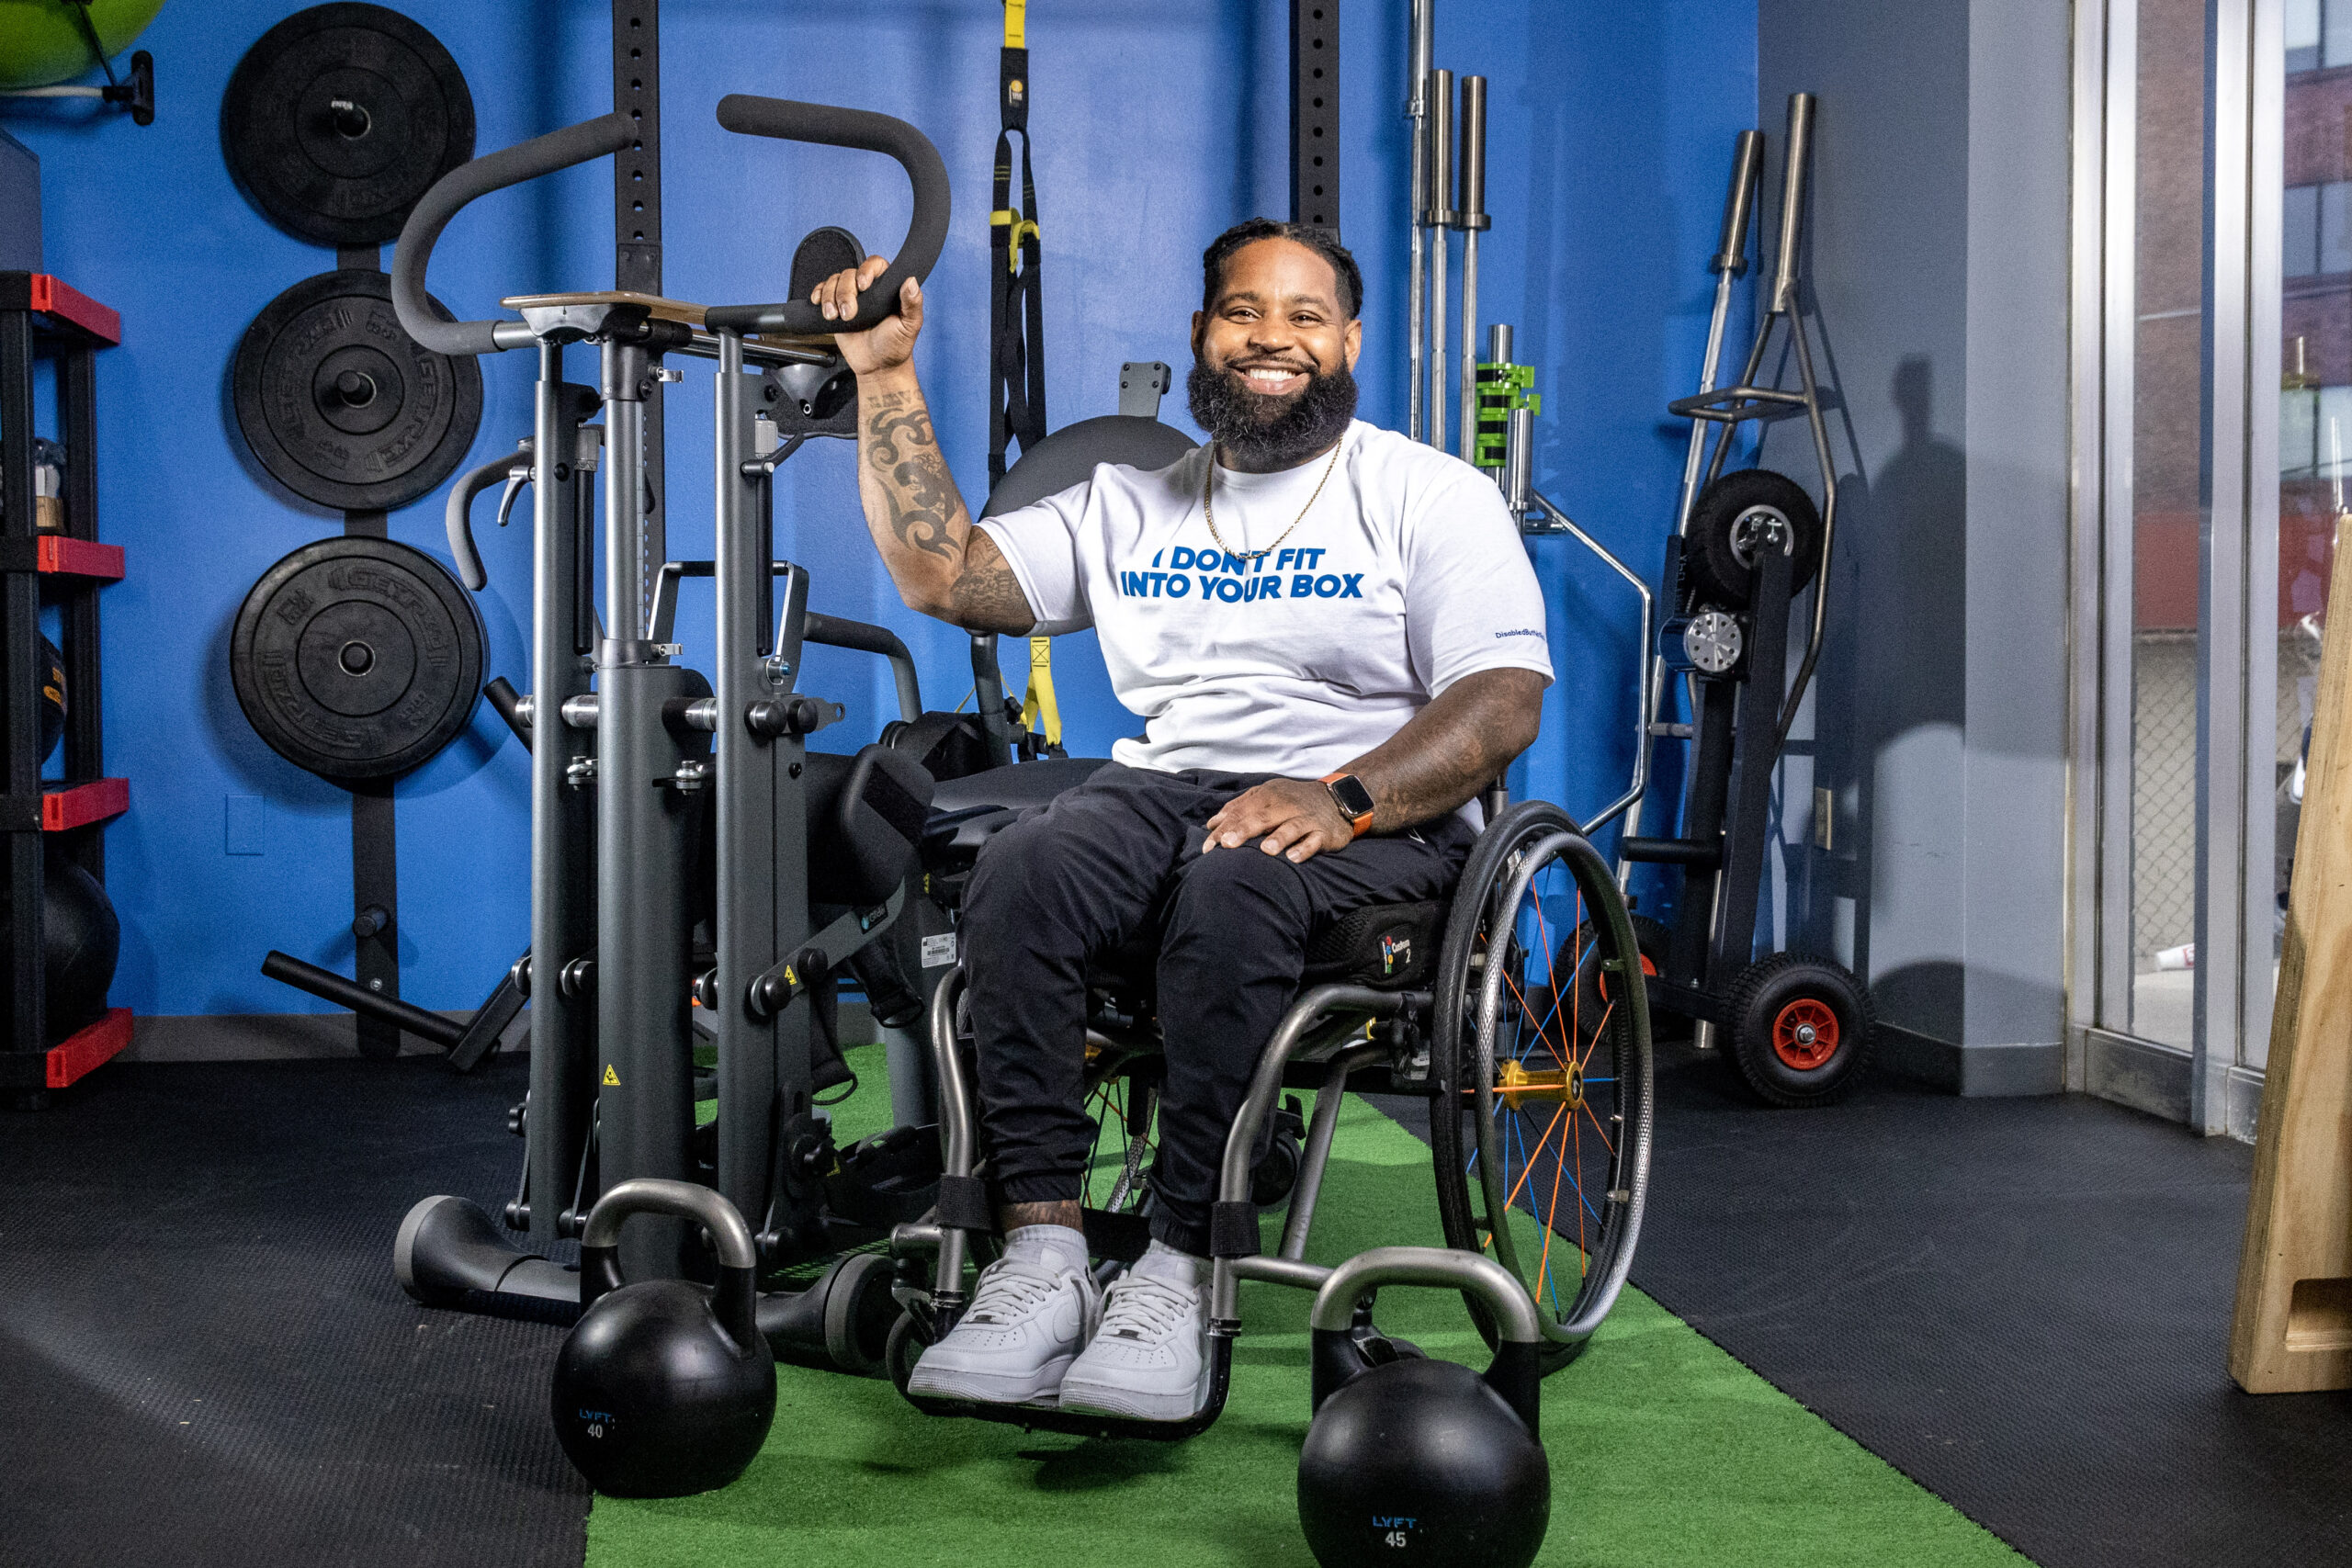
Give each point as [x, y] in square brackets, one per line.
[789, 121]
[457, 517]
[512, 165]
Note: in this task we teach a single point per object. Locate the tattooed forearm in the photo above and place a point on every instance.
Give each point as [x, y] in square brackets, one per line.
[988, 597]
[1452, 748]
[902, 454]
[918, 518]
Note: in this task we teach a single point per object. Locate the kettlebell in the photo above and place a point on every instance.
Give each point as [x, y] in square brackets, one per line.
[665, 1387]
[1423, 1463]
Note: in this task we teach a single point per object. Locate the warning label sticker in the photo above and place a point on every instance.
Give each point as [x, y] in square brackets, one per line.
[938, 950]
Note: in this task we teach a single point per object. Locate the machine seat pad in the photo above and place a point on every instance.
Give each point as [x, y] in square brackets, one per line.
[865, 817]
[1015, 789]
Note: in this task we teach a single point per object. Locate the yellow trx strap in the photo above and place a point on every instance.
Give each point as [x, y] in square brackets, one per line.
[1039, 712]
[1022, 229]
[1016, 24]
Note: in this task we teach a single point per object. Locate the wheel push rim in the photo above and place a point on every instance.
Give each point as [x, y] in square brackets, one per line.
[1561, 1112]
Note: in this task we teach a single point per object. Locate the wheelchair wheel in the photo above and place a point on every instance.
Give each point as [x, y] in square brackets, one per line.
[1540, 1125]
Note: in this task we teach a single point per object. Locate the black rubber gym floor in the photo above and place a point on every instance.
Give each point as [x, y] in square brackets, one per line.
[2024, 1305]
[204, 1360]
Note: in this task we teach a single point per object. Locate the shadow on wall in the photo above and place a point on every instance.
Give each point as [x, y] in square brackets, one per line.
[1891, 696]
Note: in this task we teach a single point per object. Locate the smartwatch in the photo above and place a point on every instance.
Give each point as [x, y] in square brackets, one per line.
[1354, 800]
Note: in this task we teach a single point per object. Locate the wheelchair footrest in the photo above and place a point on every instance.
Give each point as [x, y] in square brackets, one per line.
[1084, 1424]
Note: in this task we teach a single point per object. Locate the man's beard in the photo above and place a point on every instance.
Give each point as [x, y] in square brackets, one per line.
[1261, 433]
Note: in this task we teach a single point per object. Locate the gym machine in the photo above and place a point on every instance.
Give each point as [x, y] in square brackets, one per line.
[662, 801]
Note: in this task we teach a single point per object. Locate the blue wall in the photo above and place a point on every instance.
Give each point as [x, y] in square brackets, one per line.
[1612, 126]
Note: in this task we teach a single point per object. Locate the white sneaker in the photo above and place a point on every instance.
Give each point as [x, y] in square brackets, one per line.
[1149, 1359]
[1025, 1327]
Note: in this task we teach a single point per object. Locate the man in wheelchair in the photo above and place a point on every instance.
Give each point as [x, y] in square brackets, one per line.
[1335, 640]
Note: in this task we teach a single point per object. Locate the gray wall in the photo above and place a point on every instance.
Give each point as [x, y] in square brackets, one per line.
[1937, 260]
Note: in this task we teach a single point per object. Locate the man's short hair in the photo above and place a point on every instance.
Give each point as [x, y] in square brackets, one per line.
[1249, 230]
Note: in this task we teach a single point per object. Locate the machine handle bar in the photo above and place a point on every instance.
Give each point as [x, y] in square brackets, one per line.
[580, 143]
[789, 121]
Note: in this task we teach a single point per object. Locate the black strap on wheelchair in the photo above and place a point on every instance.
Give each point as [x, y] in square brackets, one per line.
[964, 1204]
[1017, 307]
[1233, 1229]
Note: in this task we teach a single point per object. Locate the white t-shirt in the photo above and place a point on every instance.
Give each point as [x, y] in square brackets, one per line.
[1405, 575]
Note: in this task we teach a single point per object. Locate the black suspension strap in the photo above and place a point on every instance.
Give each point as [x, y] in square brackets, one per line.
[1017, 319]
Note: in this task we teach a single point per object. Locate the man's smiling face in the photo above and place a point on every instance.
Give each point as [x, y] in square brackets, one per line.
[1273, 357]
[1277, 320]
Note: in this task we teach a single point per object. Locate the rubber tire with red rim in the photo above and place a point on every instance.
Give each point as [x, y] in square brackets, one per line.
[1770, 988]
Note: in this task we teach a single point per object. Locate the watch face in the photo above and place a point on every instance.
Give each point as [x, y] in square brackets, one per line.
[1353, 799]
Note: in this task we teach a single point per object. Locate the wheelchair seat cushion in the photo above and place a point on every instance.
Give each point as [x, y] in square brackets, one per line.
[1389, 947]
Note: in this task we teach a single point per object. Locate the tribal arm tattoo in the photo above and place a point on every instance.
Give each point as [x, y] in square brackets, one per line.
[942, 565]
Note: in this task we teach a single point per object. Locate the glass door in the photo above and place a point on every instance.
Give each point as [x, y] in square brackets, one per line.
[2193, 638]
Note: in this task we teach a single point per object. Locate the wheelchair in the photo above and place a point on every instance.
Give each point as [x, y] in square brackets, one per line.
[1515, 1011]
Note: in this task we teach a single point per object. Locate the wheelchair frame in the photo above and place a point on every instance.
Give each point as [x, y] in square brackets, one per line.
[1327, 1028]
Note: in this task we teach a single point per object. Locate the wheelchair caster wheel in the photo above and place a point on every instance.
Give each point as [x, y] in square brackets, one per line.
[1800, 1030]
[858, 1313]
[906, 1342]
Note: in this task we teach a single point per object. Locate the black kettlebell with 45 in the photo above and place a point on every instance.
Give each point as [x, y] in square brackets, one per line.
[1422, 1463]
[665, 1387]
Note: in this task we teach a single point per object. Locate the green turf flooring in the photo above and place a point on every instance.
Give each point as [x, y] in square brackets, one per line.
[1664, 1450]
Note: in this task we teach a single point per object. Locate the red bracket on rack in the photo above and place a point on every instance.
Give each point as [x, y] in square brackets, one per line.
[63, 304]
[84, 804]
[78, 558]
[86, 1047]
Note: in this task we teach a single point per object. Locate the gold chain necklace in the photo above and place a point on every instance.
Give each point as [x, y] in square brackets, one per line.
[1208, 512]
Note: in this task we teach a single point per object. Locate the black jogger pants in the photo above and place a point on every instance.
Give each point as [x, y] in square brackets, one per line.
[1115, 859]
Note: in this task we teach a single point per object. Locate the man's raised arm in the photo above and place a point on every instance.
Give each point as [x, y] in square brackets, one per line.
[942, 565]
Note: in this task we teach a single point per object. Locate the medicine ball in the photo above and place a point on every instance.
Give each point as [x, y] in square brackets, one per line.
[81, 939]
[53, 698]
[663, 1387]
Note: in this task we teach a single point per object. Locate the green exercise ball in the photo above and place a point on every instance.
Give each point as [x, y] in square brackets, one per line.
[40, 41]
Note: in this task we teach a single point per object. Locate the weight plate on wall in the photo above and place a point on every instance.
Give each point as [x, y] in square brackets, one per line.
[340, 117]
[342, 406]
[356, 657]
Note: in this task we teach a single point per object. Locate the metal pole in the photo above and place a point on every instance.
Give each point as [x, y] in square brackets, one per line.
[1439, 219]
[563, 908]
[1472, 218]
[744, 776]
[1416, 291]
[1729, 262]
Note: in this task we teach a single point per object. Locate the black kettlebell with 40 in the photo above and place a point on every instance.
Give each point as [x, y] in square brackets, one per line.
[664, 1388]
[1422, 1463]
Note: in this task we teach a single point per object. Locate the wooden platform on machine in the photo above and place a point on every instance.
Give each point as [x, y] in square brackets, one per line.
[662, 309]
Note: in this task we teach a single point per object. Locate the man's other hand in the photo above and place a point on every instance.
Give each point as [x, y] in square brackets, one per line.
[890, 342]
[1296, 818]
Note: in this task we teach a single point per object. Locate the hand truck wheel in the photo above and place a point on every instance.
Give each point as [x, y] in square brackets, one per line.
[1800, 1030]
